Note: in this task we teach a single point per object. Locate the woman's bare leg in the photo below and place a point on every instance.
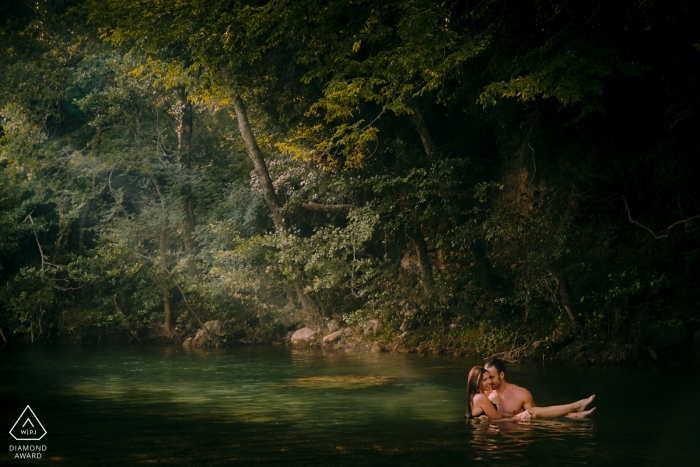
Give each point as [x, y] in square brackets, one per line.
[582, 414]
[555, 411]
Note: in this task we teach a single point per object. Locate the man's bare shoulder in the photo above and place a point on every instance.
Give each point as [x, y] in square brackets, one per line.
[521, 392]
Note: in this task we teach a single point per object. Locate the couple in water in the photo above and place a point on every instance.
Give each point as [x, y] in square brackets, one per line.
[489, 395]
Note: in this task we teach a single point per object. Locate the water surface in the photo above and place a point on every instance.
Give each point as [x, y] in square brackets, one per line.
[276, 406]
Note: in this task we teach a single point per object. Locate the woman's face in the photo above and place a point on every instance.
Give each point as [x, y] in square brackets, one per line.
[485, 382]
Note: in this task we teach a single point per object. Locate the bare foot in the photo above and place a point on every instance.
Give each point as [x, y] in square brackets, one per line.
[582, 414]
[585, 402]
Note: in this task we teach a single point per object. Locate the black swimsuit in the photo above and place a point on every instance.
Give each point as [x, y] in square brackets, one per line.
[469, 415]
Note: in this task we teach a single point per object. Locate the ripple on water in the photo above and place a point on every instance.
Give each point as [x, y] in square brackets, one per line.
[337, 382]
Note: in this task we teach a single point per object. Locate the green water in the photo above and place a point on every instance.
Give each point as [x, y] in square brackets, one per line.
[276, 406]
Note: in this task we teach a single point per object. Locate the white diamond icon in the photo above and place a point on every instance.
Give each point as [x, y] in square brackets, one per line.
[28, 427]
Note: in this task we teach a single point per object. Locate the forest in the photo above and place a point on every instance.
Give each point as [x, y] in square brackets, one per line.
[492, 177]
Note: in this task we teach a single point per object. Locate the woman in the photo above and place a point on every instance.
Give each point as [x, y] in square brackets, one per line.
[482, 401]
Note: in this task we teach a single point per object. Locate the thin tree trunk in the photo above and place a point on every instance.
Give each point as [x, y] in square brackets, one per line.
[426, 268]
[36, 237]
[168, 319]
[190, 221]
[565, 295]
[267, 188]
[184, 135]
[422, 129]
[83, 222]
[484, 268]
[63, 228]
[306, 303]
[258, 162]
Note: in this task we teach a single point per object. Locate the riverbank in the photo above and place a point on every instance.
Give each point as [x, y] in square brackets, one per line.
[683, 350]
[661, 345]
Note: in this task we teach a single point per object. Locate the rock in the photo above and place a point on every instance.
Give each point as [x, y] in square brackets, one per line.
[333, 336]
[211, 330]
[562, 334]
[187, 344]
[215, 328]
[333, 326]
[663, 337]
[200, 339]
[376, 348]
[303, 336]
[373, 326]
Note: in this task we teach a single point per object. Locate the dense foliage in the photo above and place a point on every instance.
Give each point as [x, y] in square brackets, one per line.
[477, 174]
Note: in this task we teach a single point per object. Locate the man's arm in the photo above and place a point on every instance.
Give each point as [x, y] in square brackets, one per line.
[528, 401]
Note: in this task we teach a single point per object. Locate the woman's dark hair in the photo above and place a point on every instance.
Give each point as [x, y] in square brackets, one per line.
[473, 386]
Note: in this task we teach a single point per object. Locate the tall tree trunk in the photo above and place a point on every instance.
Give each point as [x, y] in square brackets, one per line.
[168, 318]
[268, 190]
[258, 162]
[426, 268]
[184, 140]
[489, 279]
[565, 295]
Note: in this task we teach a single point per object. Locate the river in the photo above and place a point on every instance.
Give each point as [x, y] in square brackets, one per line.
[277, 406]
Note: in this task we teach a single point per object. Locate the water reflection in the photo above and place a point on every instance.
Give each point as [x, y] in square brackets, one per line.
[518, 443]
[348, 390]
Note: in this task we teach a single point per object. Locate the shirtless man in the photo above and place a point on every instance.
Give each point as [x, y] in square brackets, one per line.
[514, 401]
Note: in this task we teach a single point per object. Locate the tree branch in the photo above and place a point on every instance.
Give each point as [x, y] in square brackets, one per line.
[657, 237]
[41, 252]
[126, 322]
